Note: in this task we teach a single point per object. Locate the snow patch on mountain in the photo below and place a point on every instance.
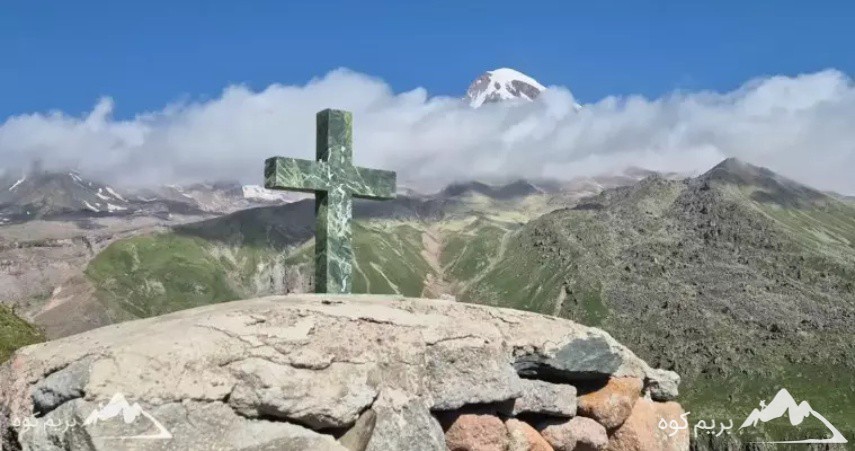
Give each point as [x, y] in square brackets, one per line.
[115, 194]
[502, 84]
[15, 185]
[259, 193]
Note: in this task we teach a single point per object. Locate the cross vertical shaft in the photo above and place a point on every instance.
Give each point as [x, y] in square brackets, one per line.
[334, 207]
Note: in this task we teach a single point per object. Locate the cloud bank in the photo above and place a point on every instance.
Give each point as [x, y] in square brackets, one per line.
[800, 126]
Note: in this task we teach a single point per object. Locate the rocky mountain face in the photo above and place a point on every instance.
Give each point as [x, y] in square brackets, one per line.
[502, 84]
[739, 278]
[273, 373]
[209, 198]
[49, 194]
[71, 196]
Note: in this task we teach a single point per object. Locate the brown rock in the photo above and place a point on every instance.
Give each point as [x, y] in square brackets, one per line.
[477, 432]
[523, 437]
[641, 431]
[611, 404]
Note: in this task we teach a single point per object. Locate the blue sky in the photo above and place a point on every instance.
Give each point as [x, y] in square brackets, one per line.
[184, 91]
[65, 55]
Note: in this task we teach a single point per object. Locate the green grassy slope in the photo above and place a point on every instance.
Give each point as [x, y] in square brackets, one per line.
[388, 259]
[15, 333]
[155, 274]
[740, 296]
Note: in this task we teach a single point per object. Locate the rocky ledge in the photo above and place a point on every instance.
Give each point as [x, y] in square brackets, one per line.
[306, 372]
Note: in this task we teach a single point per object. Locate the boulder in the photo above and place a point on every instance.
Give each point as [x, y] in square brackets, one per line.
[663, 385]
[357, 437]
[523, 437]
[641, 431]
[293, 372]
[477, 432]
[585, 357]
[545, 398]
[469, 370]
[558, 434]
[611, 404]
[404, 422]
[590, 435]
[332, 398]
[575, 434]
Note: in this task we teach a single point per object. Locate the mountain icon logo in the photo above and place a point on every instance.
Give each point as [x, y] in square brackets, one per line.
[130, 413]
[784, 404]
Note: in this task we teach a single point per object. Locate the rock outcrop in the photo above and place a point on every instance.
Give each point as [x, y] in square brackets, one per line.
[325, 372]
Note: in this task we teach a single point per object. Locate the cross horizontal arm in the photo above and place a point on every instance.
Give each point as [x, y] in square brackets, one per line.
[295, 174]
[371, 183]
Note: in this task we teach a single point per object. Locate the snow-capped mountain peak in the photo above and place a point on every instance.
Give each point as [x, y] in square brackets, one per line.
[44, 194]
[502, 84]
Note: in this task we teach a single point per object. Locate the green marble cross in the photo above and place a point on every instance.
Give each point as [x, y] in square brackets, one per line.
[335, 181]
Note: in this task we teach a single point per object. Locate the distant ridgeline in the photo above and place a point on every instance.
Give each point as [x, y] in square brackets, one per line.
[740, 280]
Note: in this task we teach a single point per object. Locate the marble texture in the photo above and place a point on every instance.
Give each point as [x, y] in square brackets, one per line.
[335, 181]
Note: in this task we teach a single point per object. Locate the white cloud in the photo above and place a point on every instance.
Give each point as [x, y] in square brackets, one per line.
[800, 126]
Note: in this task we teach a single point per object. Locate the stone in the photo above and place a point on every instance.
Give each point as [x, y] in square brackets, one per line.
[301, 366]
[640, 432]
[611, 404]
[477, 432]
[358, 437]
[586, 358]
[663, 384]
[545, 398]
[63, 385]
[523, 437]
[558, 434]
[590, 435]
[332, 398]
[470, 371]
[334, 181]
[405, 422]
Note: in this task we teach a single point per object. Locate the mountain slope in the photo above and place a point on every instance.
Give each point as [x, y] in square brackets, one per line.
[738, 278]
[268, 250]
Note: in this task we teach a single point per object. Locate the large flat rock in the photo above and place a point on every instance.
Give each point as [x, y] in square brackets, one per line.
[286, 371]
